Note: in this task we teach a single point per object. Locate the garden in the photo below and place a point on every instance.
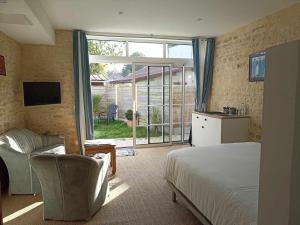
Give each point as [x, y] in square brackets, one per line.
[105, 128]
[116, 129]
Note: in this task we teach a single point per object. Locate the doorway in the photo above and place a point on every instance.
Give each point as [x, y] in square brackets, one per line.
[159, 96]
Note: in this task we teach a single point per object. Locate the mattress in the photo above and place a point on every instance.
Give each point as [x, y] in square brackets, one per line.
[222, 181]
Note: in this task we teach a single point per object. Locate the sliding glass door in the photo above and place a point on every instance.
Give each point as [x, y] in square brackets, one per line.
[183, 102]
[152, 111]
[163, 103]
[161, 97]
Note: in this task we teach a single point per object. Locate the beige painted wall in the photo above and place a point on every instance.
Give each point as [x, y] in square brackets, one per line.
[11, 97]
[230, 83]
[52, 63]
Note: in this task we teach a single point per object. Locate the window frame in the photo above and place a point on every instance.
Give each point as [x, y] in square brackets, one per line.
[129, 59]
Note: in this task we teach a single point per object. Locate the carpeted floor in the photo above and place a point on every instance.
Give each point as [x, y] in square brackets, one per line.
[139, 196]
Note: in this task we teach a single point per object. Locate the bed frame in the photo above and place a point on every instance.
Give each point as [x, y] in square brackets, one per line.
[188, 204]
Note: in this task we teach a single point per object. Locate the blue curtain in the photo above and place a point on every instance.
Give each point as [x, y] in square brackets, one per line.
[203, 82]
[196, 58]
[82, 86]
[208, 69]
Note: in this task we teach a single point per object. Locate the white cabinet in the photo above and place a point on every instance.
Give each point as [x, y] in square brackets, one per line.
[213, 129]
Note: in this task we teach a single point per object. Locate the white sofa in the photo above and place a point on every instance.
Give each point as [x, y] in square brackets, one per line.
[16, 148]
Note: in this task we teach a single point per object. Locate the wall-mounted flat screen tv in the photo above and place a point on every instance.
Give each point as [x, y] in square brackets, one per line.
[41, 93]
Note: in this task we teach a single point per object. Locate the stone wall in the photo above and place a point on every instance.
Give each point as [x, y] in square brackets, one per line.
[11, 97]
[230, 83]
[52, 63]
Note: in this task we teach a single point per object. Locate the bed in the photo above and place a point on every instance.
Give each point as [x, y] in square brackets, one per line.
[218, 183]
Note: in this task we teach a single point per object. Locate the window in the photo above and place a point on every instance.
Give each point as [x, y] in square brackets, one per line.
[140, 49]
[107, 48]
[179, 51]
[132, 48]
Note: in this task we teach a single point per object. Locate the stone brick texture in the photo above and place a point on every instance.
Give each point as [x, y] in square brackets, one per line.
[230, 85]
[52, 63]
[11, 97]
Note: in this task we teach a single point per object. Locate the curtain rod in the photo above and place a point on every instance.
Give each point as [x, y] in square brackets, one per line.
[124, 35]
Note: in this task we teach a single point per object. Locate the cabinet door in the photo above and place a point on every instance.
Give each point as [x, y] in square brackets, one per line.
[211, 128]
[206, 130]
[196, 128]
[235, 130]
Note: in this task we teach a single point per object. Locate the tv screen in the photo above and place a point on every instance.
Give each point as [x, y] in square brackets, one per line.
[41, 93]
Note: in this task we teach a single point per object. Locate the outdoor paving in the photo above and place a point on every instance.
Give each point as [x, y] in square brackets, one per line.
[126, 142]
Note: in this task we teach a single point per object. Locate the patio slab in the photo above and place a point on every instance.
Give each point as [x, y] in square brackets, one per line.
[127, 142]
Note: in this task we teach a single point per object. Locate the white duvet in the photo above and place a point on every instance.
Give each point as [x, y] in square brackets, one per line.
[222, 181]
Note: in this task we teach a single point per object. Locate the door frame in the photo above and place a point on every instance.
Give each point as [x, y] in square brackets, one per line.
[156, 62]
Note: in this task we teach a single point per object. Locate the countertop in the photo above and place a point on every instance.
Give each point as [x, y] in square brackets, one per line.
[221, 116]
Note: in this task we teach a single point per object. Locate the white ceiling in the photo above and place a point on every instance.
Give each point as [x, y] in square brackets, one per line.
[157, 17]
[160, 17]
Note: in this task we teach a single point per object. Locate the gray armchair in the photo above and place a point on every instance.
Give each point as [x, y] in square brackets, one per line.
[74, 187]
[16, 147]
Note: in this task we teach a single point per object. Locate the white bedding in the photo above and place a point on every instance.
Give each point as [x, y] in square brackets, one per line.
[222, 181]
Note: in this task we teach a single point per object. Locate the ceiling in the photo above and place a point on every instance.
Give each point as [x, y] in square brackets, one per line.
[185, 18]
[26, 21]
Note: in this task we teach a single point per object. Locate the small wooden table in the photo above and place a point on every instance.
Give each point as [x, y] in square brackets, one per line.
[103, 148]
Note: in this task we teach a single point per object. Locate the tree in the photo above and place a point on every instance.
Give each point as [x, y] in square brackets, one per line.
[109, 48]
[127, 69]
[97, 68]
[97, 47]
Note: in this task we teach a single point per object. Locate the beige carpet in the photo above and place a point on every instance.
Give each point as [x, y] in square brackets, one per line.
[139, 196]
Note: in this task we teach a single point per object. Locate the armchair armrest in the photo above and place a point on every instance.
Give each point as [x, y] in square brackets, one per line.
[18, 170]
[48, 140]
[98, 180]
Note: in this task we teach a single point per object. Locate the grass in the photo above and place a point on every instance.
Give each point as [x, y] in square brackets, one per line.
[116, 129]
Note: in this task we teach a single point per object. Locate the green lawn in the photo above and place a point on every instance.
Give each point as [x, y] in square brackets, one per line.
[116, 129]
